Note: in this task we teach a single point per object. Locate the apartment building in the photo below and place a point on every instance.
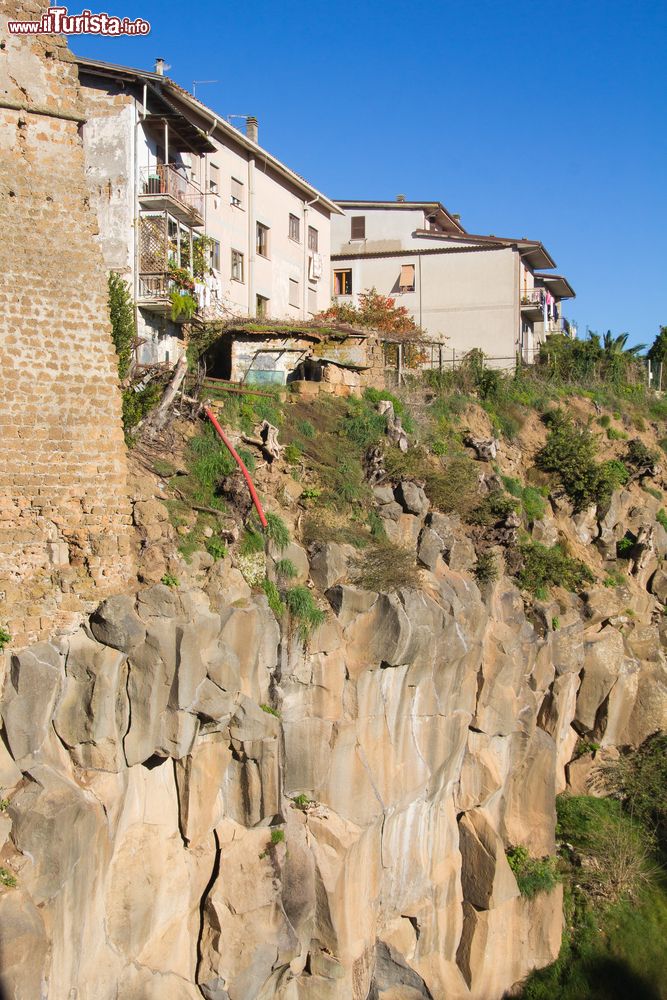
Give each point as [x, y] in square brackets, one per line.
[198, 217]
[465, 290]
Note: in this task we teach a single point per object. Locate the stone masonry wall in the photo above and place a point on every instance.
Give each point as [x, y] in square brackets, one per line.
[64, 511]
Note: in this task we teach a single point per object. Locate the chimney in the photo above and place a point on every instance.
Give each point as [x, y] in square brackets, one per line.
[159, 67]
[400, 197]
[252, 129]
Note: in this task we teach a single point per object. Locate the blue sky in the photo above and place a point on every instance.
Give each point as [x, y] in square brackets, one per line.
[530, 119]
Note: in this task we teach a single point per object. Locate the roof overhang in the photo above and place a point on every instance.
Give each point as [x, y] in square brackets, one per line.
[559, 286]
[207, 123]
[532, 252]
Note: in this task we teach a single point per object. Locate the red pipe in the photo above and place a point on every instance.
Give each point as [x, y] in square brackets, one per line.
[239, 461]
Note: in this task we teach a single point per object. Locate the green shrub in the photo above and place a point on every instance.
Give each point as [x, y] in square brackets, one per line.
[533, 875]
[486, 568]
[216, 547]
[652, 492]
[252, 541]
[549, 567]
[304, 611]
[639, 456]
[376, 526]
[614, 435]
[305, 429]
[533, 504]
[311, 493]
[7, 879]
[208, 463]
[292, 454]
[615, 579]
[604, 420]
[495, 507]
[286, 569]
[5, 637]
[363, 425]
[137, 403]
[624, 547]
[273, 597]
[301, 801]
[277, 837]
[569, 453]
[270, 711]
[169, 580]
[386, 567]
[277, 531]
[639, 779]
[661, 518]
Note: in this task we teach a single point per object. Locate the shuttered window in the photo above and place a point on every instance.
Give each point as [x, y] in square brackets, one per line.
[213, 178]
[294, 293]
[294, 228]
[407, 280]
[237, 193]
[312, 301]
[358, 227]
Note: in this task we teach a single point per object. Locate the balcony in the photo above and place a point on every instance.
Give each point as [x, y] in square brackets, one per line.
[532, 302]
[165, 188]
[155, 293]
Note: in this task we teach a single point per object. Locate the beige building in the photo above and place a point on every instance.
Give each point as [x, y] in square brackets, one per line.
[467, 290]
[192, 210]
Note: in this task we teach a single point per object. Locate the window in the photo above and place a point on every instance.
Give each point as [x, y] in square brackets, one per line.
[262, 307]
[213, 178]
[237, 265]
[294, 297]
[342, 282]
[237, 193]
[312, 301]
[312, 239]
[358, 228]
[294, 228]
[407, 280]
[215, 255]
[262, 240]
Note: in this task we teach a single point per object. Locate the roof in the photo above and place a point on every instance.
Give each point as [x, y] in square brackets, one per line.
[533, 251]
[175, 97]
[305, 330]
[419, 252]
[557, 285]
[449, 221]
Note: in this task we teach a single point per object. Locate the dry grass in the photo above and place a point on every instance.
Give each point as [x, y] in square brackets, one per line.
[386, 567]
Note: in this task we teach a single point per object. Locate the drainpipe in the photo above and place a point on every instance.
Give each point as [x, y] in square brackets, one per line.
[251, 236]
[419, 258]
[140, 115]
[304, 297]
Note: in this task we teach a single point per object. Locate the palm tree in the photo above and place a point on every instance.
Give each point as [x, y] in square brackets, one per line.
[616, 345]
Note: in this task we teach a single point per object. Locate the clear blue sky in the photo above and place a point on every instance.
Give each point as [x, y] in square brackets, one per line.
[545, 120]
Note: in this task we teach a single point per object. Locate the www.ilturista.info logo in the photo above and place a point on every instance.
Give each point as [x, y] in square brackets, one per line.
[56, 21]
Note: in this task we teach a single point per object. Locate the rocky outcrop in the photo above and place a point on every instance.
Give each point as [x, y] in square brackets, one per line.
[200, 806]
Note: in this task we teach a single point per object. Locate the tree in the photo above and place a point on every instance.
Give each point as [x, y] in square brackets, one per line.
[374, 312]
[121, 313]
[613, 346]
[658, 349]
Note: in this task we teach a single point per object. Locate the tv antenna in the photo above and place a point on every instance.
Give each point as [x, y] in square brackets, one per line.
[200, 83]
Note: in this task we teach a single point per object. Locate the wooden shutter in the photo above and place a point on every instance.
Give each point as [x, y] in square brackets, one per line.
[407, 276]
[358, 227]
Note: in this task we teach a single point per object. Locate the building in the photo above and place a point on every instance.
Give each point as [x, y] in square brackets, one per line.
[194, 213]
[467, 290]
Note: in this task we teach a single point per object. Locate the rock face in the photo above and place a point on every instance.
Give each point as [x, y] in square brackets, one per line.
[199, 806]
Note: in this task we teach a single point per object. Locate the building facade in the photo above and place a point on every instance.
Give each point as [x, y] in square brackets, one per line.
[466, 291]
[194, 213]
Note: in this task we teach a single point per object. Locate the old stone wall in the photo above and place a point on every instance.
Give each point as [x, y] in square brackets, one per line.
[64, 513]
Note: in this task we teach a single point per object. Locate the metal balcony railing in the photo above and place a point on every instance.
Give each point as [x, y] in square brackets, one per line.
[170, 180]
[533, 297]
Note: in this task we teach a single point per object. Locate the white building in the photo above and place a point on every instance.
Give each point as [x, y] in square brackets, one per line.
[465, 290]
[189, 207]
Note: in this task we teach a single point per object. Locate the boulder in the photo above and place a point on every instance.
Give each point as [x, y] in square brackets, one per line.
[412, 498]
[116, 624]
[329, 564]
[32, 690]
